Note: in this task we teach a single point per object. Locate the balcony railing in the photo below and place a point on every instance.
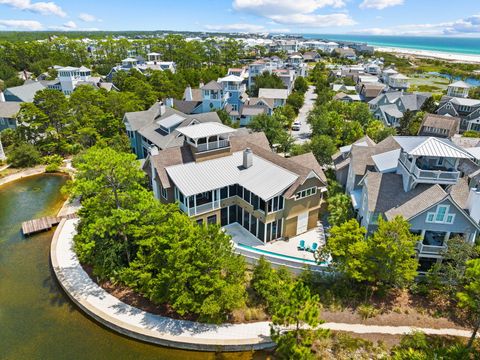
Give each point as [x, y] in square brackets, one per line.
[430, 249]
[200, 209]
[213, 145]
[430, 176]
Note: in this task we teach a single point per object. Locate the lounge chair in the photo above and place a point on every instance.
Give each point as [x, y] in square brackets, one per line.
[301, 245]
[313, 248]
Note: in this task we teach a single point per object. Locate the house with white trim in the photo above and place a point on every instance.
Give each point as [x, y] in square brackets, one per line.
[426, 180]
[222, 176]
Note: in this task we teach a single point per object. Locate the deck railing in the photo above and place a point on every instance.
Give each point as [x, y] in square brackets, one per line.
[213, 145]
[430, 249]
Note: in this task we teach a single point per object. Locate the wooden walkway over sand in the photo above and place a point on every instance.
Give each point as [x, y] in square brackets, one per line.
[43, 224]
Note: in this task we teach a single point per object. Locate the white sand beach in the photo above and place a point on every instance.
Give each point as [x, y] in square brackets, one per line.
[464, 58]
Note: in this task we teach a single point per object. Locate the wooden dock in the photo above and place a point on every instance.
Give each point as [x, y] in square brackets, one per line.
[43, 224]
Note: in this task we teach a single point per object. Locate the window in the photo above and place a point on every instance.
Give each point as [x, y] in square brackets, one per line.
[305, 193]
[224, 193]
[440, 161]
[164, 193]
[212, 219]
[224, 216]
[441, 215]
[275, 204]
[200, 222]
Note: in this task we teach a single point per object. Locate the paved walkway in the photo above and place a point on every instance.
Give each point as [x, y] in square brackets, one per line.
[144, 326]
[305, 131]
[25, 173]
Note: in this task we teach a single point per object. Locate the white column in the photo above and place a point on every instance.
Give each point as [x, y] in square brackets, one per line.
[195, 204]
[2, 153]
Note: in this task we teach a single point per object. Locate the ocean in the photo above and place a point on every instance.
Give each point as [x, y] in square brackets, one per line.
[470, 46]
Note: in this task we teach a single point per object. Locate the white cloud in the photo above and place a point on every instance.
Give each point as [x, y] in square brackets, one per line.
[21, 24]
[41, 7]
[467, 26]
[88, 17]
[379, 4]
[301, 13]
[314, 20]
[284, 7]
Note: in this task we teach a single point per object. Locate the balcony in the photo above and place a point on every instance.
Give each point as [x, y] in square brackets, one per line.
[429, 176]
[220, 144]
[430, 249]
[199, 209]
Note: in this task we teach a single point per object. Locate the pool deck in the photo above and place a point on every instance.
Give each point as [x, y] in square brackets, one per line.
[278, 252]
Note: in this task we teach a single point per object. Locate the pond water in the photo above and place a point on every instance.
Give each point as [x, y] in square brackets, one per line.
[37, 320]
[469, 81]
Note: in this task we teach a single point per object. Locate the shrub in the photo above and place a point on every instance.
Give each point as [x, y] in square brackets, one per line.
[367, 311]
[23, 155]
[53, 162]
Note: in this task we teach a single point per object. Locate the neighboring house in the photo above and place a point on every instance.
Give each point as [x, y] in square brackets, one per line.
[69, 77]
[343, 88]
[439, 126]
[289, 46]
[373, 68]
[349, 98]
[466, 109]
[326, 47]
[311, 56]
[220, 176]
[279, 96]
[370, 91]
[386, 73]
[8, 114]
[236, 89]
[287, 76]
[346, 53]
[458, 89]
[158, 127]
[251, 108]
[259, 66]
[141, 65]
[341, 160]
[23, 93]
[398, 82]
[391, 106]
[420, 179]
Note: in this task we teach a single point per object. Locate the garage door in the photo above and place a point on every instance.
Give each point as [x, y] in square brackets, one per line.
[302, 223]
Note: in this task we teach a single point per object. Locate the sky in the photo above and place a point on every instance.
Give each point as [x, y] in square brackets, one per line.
[370, 17]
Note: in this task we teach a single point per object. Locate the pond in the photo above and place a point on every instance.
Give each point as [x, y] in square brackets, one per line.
[37, 319]
[469, 81]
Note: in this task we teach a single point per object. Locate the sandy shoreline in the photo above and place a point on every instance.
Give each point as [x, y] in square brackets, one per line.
[464, 58]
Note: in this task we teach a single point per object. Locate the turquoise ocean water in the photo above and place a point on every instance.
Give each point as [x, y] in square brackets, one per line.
[457, 45]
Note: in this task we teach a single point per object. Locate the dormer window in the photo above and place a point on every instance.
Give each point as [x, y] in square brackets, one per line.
[441, 215]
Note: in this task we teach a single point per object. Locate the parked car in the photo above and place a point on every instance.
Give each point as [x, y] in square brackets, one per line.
[296, 126]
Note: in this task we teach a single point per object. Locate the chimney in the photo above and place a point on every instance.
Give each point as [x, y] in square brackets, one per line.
[473, 204]
[153, 150]
[247, 158]
[169, 102]
[201, 84]
[188, 96]
[161, 108]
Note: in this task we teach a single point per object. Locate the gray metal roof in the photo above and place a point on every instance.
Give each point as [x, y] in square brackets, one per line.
[431, 146]
[263, 178]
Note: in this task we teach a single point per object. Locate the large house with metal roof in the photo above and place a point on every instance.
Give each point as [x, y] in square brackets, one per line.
[8, 114]
[158, 126]
[223, 176]
[426, 180]
[23, 93]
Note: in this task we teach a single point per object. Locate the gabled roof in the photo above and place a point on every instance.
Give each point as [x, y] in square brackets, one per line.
[26, 92]
[430, 146]
[231, 78]
[9, 109]
[212, 85]
[460, 84]
[273, 93]
[449, 123]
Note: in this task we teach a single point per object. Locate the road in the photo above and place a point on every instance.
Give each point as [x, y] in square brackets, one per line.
[304, 134]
